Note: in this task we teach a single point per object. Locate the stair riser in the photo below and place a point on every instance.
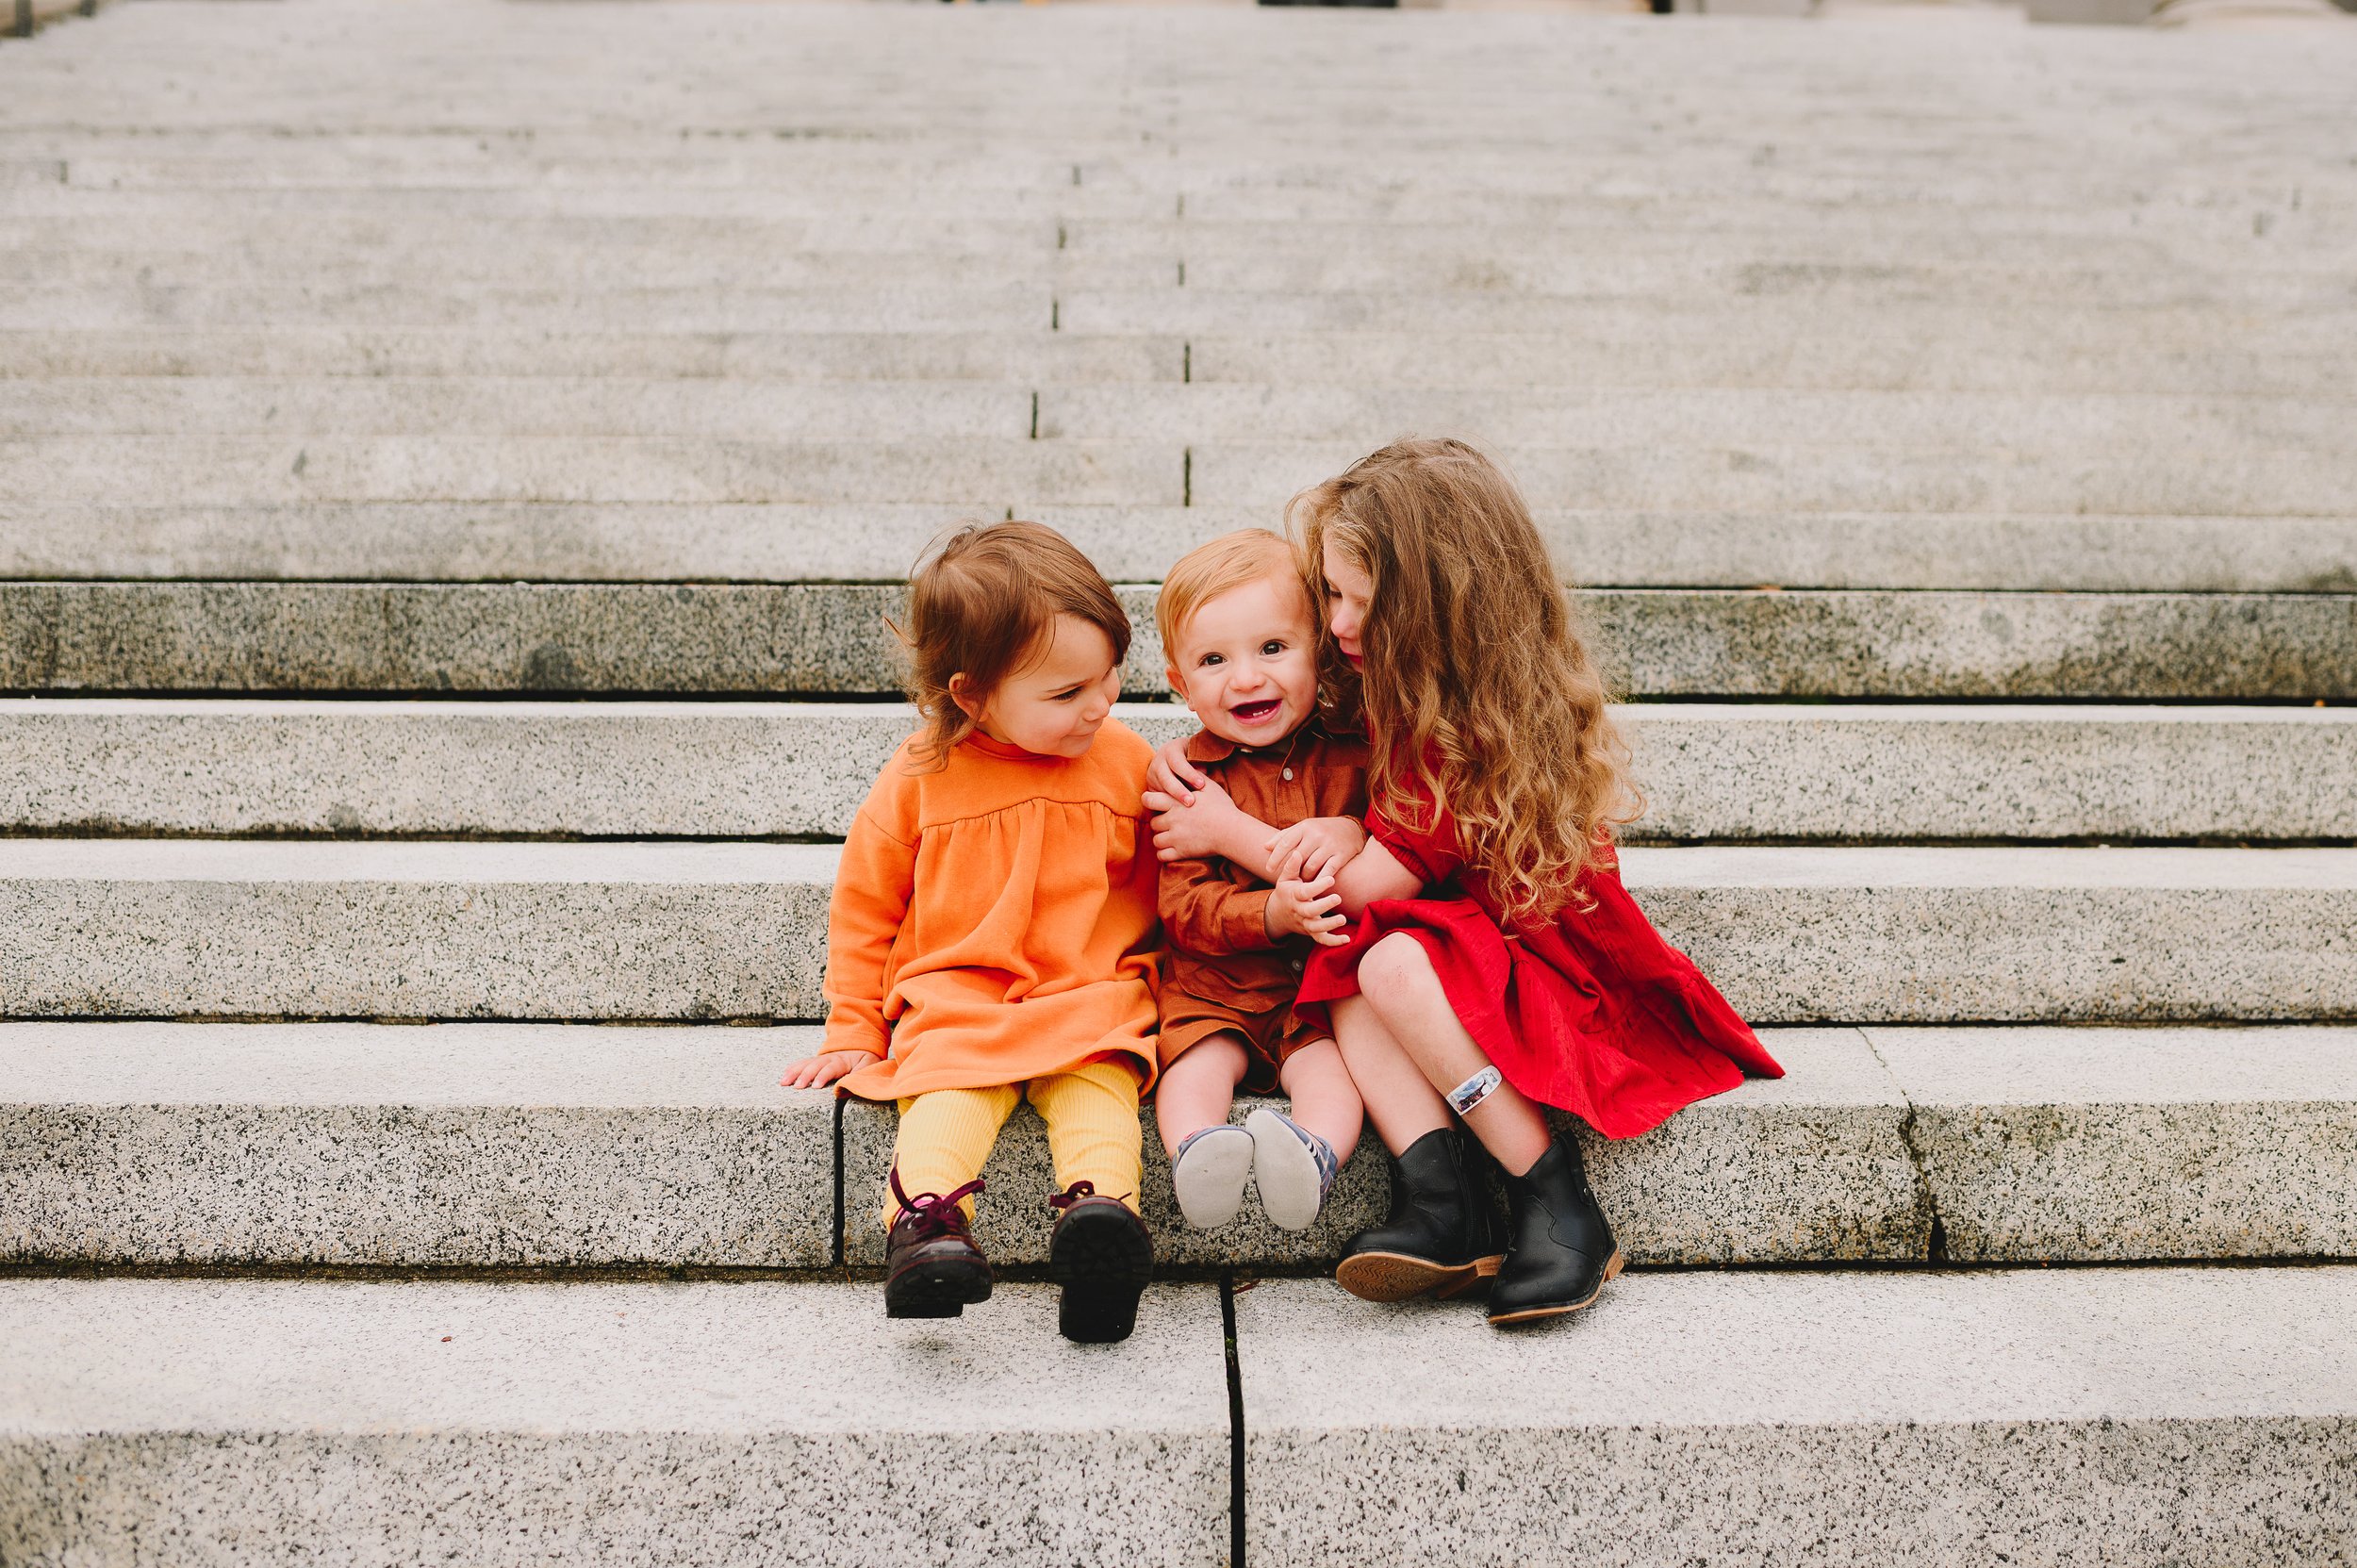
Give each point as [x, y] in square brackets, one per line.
[627, 638]
[733, 771]
[447, 946]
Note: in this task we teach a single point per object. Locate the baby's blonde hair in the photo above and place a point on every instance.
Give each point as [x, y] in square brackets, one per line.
[1211, 569]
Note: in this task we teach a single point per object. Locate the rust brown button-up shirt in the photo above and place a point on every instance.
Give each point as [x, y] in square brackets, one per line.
[1216, 911]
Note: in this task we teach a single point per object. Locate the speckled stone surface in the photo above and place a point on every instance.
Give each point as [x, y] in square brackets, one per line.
[1906, 935]
[1810, 1166]
[655, 931]
[459, 1144]
[229, 928]
[650, 639]
[232, 1421]
[640, 542]
[639, 770]
[1709, 771]
[610, 638]
[2117, 1143]
[2082, 1417]
[1948, 645]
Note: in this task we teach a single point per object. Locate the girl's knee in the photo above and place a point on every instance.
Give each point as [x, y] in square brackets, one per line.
[1394, 969]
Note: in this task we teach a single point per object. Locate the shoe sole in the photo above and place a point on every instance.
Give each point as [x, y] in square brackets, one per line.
[1403, 1276]
[936, 1290]
[1537, 1315]
[1285, 1171]
[1209, 1184]
[1102, 1258]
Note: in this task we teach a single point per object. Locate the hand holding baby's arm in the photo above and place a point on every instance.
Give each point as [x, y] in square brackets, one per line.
[1327, 844]
[816, 1072]
[1305, 906]
[1196, 829]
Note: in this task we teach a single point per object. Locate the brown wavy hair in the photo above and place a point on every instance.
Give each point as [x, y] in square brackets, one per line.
[1476, 684]
[982, 602]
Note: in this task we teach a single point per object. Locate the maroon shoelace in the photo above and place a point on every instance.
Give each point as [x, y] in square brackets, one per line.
[933, 1213]
[1072, 1195]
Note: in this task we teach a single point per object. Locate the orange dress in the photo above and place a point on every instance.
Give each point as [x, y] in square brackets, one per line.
[993, 921]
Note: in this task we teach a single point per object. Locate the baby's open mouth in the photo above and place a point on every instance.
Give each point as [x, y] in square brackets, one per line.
[1253, 713]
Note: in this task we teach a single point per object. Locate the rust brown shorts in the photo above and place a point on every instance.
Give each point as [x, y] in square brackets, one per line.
[1269, 1037]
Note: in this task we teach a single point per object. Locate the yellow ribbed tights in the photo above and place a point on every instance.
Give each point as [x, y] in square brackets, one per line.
[1092, 1117]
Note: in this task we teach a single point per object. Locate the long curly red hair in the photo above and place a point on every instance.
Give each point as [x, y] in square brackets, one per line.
[1476, 684]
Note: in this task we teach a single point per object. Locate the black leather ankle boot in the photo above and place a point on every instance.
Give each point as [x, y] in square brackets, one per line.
[1560, 1250]
[1441, 1237]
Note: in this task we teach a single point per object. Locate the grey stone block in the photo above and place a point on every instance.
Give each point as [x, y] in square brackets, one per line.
[2125, 477]
[1935, 935]
[742, 769]
[1018, 358]
[645, 638]
[228, 928]
[642, 542]
[231, 471]
[358, 1144]
[2113, 1145]
[1810, 1166]
[605, 638]
[217, 1422]
[1950, 646]
[2115, 12]
[243, 928]
[1839, 1419]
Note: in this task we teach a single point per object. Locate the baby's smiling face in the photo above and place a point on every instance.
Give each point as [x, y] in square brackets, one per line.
[1247, 661]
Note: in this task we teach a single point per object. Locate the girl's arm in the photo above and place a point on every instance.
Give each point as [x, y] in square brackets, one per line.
[873, 884]
[1371, 874]
[1209, 823]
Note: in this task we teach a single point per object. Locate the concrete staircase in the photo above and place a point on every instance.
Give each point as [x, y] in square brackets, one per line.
[454, 457]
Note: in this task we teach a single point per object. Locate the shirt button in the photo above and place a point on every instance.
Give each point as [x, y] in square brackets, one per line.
[1288, 773]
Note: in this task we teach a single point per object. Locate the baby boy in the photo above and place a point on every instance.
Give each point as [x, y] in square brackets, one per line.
[1241, 638]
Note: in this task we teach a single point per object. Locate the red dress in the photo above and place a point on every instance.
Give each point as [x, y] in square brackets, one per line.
[1592, 1010]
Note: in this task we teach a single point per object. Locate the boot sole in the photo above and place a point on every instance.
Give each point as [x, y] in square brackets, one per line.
[936, 1290]
[1537, 1315]
[1403, 1276]
[1103, 1259]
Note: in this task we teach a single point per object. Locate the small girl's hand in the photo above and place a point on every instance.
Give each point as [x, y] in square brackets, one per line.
[1170, 773]
[1306, 907]
[816, 1072]
[1191, 829]
[1325, 844]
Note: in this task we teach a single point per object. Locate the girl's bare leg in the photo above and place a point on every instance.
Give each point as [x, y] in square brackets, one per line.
[1401, 1102]
[1199, 1090]
[1396, 979]
[1324, 1099]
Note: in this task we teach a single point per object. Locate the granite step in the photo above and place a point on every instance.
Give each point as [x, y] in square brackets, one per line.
[763, 411]
[2171, 1415]
[1996, 360]
[2138, 476]
[2146, 1409]
[562, 1146]
[150, 1144]
[232, 929]
[1725, 772]
[277, 1421]
[873, 542]
[625, 640]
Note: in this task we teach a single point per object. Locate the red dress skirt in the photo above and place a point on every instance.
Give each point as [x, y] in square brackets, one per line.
[1591, 1012]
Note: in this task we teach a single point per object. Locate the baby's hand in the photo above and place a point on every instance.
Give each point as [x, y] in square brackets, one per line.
[1326, 845]
[1191, 829]
[1306, 907]
[816, 1072]
[1170, 773]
